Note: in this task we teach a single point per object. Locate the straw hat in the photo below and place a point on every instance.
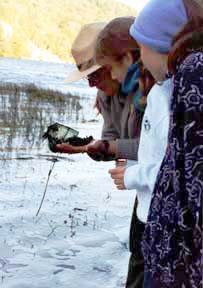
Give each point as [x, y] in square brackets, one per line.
[83, 50]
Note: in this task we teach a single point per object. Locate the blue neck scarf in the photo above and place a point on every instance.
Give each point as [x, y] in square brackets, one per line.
[131, 85]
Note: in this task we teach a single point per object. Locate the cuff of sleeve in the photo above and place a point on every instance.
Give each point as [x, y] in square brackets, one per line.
[127, 149]
[129, 177]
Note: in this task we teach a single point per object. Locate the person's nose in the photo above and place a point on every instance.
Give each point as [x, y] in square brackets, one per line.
[91, 83]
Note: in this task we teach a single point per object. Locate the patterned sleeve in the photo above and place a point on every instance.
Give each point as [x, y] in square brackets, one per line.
[189, 113]
[172, 244]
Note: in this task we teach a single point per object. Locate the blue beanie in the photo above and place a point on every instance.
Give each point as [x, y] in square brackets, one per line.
[158, 23]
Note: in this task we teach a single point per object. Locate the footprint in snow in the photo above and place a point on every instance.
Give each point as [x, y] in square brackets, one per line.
[71, 267]
[5, 265]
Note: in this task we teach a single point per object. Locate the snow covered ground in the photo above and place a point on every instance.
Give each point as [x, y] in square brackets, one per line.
[80, 236]
[43, 74]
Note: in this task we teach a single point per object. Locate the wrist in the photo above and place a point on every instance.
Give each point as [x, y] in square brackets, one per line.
[83, 149]
[112, 149]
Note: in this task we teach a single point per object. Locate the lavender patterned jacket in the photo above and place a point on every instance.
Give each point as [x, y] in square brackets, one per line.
[172, 244]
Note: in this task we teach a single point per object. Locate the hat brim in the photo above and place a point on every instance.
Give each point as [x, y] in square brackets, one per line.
[77, 75]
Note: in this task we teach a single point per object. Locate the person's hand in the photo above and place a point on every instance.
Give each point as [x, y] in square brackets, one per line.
[96, 146]
[102, 146]
[117, 175]
[69, 149]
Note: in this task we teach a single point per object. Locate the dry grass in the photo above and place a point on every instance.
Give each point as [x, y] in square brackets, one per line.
[35, 93]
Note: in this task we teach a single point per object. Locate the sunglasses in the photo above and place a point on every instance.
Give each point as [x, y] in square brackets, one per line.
[98, 74]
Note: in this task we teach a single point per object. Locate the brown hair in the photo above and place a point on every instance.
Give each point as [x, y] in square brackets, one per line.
[194, 9]
[114, 41]
[189, 38]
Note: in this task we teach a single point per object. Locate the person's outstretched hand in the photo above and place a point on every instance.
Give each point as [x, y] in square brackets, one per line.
[69, 149]
[93, 147]
[96, 147]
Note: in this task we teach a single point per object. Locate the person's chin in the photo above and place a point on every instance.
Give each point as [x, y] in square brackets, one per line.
[108, 92]
[100, 87]
[157, 77]
[120, 80]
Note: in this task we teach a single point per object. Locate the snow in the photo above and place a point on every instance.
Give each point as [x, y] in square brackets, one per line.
[43, 74]
[80, 237]
[81, 233]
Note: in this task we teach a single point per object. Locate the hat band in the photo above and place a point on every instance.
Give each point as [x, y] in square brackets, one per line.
[86, 65]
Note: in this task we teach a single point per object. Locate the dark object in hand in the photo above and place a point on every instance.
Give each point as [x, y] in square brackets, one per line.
[77, 141]
[58, 134]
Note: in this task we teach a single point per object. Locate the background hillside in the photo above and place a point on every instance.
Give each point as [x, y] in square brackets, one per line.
[45, 29]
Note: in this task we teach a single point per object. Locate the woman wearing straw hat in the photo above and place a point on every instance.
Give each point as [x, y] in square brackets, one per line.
[120, 133]
[83, 53]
